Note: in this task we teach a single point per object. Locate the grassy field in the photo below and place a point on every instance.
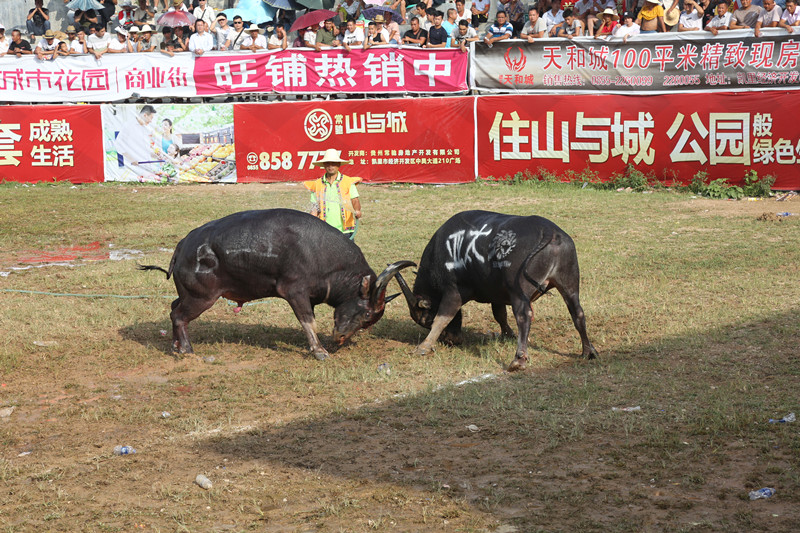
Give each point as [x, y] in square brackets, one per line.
[692, 304]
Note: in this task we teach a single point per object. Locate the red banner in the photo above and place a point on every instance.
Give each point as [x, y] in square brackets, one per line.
[46, 143]
[427, 140]
[385, 69]
[674, 136]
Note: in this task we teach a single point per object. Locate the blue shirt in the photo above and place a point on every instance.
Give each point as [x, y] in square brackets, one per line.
[496, 31]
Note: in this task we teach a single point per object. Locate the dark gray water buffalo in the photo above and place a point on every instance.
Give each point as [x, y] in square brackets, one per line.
[497, 259]
[277, 252]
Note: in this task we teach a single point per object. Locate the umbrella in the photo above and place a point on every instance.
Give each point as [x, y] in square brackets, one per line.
[312, 19]
[372, 12]
[316, 4]
[254, 16]
[374, 2]
[175, 19]
[281, 4]
[84, 5]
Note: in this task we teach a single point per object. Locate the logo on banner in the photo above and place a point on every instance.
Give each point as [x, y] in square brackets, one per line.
[515, 65]
[318, 125]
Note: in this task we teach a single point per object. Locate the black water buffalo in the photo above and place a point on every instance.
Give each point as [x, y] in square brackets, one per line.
[497, 259]
[277, 252]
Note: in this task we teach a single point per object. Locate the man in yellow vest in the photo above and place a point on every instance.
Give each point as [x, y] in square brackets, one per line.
[334, 195]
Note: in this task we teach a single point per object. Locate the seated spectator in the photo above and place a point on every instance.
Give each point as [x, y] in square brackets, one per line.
[205, 13]
[47, 45]
[4, 41]
[349, 9]
[692, 17]
[772, 14]
[177, 5]
[570, 27]
[61, 50]
[300, 40]
[386, 36]
[399, 6]
[462, 35]
[237, 35]
[278, 39]
[373, 37]
[421, 12]
[749, 16]
[310, 37]
[610, 22]
[181, 36]
[721, 20]
[499, 31]
[169, 45]
[437, 35]
[143, 14]
[535, 28]
[221, 31]
[353, 36]
[461, 12]
[77, 45]
[584, 10]
[515, 12]
[201, 41]
[38, 21]
[394, 29]
[672, 13]
[791, 16]
[627, 28]
[98, 42]
[19, 46]
[416, 36]
[480, 12]
[254, 40]
[553, 17]
[651, 17]
[326, 37]
[430, 13]
[86, 19]
[133, 38]
[125, 16]
[120, 45]
[146, 42]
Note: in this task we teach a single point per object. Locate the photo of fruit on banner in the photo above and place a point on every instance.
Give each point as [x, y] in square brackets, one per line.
[164, 143]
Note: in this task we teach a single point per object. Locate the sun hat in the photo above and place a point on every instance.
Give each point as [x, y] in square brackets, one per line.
[609, 11]
[378, 18]
[253, 27]
[146, 28]
[71, 29]
[657, 2]
[133, 29]
[331, 155]
[121, 31]
[49, 34]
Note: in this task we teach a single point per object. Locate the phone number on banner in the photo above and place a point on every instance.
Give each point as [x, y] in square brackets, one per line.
[286, 160]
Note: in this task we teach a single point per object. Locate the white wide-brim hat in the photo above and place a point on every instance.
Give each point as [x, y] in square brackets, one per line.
[611, 12]
[331, 155]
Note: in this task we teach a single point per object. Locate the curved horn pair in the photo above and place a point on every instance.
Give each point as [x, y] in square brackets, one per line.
[378, 299]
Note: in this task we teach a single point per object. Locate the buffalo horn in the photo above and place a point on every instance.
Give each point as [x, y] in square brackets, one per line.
[411, 298]
[378, 300]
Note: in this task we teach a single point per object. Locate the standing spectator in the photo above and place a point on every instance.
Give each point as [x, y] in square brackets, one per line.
[107, 13]
[146, 42]
[222, 31]
[461, 12]
[121, 44]
[516, 15]
[334, 196]
[326, 37]
[437, 35]
[610, 22]
[279, 39]
[480, 12]
[721, 21]
[553, 17]
[201, 41]
[125, 17]
[205, 13]
[535, 28]
[4, 41]
[86, 19]
[98, 42]
[692, 17]
[570, 27]
[143, 14]
[791, 16]
[78, 44]
[772, 14]
[353, 36]
[749, 16]
[499, 31]
[627, 28]
[462, 35]
[47, 46]
[651, 17]
[416, 36]
[38, 21]
[254, 41]
[19, 46]
[237, 36]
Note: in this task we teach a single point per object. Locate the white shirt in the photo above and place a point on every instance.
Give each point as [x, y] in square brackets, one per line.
[622, 30]
[458, 38]
[222, 35]
[207, 15]
[719, 22]
[582, 7]
[118, 46]
[47, 47]
[76, 46]
[773, 16]
[691, 20]
[310, 37]
[4, 44]
[260, 41]
[99, 44]
[204, 42]
[552, 20]
[354, 37]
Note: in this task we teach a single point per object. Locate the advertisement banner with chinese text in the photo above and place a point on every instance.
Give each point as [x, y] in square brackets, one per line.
[426, 140]
[665, 63]
[674, 137]
[46, 143]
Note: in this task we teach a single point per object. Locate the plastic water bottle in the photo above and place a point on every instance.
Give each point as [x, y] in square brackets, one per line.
[203, 481]
[124, 450]
[766, 492]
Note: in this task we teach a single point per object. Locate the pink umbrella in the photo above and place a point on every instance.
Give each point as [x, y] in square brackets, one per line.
[374, 2]
[312, 19]
[174, 19]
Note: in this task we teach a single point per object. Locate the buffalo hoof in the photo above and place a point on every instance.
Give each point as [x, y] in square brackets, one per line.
[320, 355]
[518, 364]
[422, 350]
[592, 354]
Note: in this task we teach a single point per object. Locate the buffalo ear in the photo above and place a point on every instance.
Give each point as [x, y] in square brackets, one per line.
[365, 288]
[424, 304]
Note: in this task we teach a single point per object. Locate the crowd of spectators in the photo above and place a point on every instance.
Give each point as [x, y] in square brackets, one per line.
[129, 26]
